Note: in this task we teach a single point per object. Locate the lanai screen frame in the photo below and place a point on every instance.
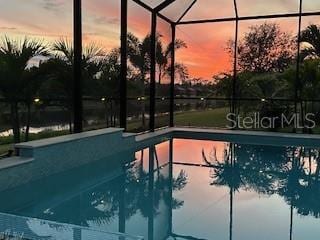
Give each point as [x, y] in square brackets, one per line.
[155, 12]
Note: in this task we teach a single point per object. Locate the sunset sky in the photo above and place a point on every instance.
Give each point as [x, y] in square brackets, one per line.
[206, 53]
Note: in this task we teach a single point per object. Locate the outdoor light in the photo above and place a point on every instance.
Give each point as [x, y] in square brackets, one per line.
[202, 99]
[163, 99]
[143, 98]
[103, 99]
[36, 100]
[263, 100]
[139, 99]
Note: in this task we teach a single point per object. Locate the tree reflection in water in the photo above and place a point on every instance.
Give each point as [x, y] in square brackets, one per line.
[290, 172]
[130, 191]
[137, 187]
[87, 197]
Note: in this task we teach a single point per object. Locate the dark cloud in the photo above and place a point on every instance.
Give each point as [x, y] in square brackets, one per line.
[8, 28]
[104, 20]
[52, 5]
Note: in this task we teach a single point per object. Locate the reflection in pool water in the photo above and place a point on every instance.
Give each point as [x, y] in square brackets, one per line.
[185, 189]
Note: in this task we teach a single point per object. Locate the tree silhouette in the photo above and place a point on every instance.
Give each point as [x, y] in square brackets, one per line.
[266, 48]
[59, 72]
[14, 74]
[163, 56]
[139, 56]
[107, 85]
[311, 38]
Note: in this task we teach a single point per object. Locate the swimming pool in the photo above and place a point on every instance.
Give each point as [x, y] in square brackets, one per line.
[184, 189]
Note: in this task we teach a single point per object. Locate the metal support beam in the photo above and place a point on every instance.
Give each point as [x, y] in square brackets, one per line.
[150, 9]
[186, 11]
[297, 82]
[163, 5]
[289, 15]
[235, 62]
[170, 229]
[172, 80]
[151, 193]
[77, 78]
[124, 64]
[153, 70]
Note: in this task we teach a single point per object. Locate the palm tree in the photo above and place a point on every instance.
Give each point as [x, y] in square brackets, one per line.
[34, 77]
[92, 60]
[139, 56]
[15, 56]
[163, 55]
[311, 37]
[138, 53]
[108, 84]
[60, 72]
[58, 84]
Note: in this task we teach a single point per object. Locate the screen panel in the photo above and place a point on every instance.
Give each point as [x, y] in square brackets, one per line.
[310, 6]
[138, 80]
[176, 9]
[163, 71]
[261, 7]
[101, 44]
[41, 86]
[208, 9]
[267, 52]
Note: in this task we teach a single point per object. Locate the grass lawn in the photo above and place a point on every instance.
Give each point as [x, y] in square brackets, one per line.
[4, 148]
[207, 118]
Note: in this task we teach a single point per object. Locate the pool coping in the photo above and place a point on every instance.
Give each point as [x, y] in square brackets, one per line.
[170, 131]
[134, 139]
[67, 138]
[14, 161]
[177, 131]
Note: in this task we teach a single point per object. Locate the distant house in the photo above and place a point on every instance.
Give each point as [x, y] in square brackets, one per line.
[180, 91]
[191, 92]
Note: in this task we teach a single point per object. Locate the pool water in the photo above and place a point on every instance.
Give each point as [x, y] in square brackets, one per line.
[185, 189]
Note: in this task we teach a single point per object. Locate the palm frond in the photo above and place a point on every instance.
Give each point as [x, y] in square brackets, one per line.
[93, 51]
[63, 47]
[311, 36]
